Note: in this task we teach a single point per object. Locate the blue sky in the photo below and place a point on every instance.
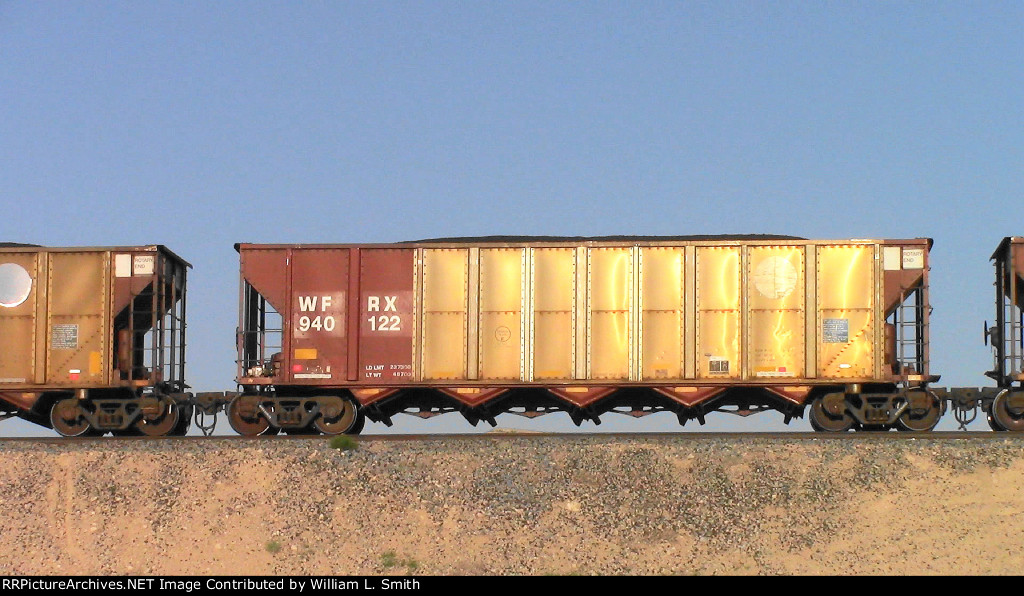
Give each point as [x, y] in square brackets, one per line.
[198, 125]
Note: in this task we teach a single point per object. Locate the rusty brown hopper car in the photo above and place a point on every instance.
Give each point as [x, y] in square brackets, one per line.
[94, 339]
[330, 334]
[1006, 411]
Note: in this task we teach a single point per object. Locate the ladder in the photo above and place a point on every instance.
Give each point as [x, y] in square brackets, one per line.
[262, 334]
[156, 328]
[1009, 345]
[910, 320]
[1013, 330]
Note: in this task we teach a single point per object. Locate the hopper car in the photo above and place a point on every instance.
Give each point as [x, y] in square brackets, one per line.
[1006, 408]
[92, 340]
[332, 334]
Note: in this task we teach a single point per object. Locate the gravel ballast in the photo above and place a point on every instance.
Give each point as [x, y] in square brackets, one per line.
[531, 505]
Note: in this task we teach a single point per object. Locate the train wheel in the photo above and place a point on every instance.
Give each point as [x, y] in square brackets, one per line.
[337, 415]
[992, 422]
[185, 413]
[828, 414]
[160, 420]
[1003, 416]
[67, 418]
[921, 419]
[244, 416]
[358, 426]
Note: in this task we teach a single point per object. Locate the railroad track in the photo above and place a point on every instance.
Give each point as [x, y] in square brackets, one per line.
[528, 436]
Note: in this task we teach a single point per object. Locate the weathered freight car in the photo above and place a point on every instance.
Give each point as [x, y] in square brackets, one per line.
[94, 339]
[1006, 411]
[330, 334]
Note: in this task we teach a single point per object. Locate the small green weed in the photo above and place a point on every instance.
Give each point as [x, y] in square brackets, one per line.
[390, 559]
[344, 443]
[273, 547]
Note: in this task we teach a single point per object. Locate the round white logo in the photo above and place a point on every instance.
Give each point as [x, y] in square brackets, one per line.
[775, 277]
[15, 285]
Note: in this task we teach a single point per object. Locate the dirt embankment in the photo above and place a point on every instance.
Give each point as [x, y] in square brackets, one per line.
[522, 505]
